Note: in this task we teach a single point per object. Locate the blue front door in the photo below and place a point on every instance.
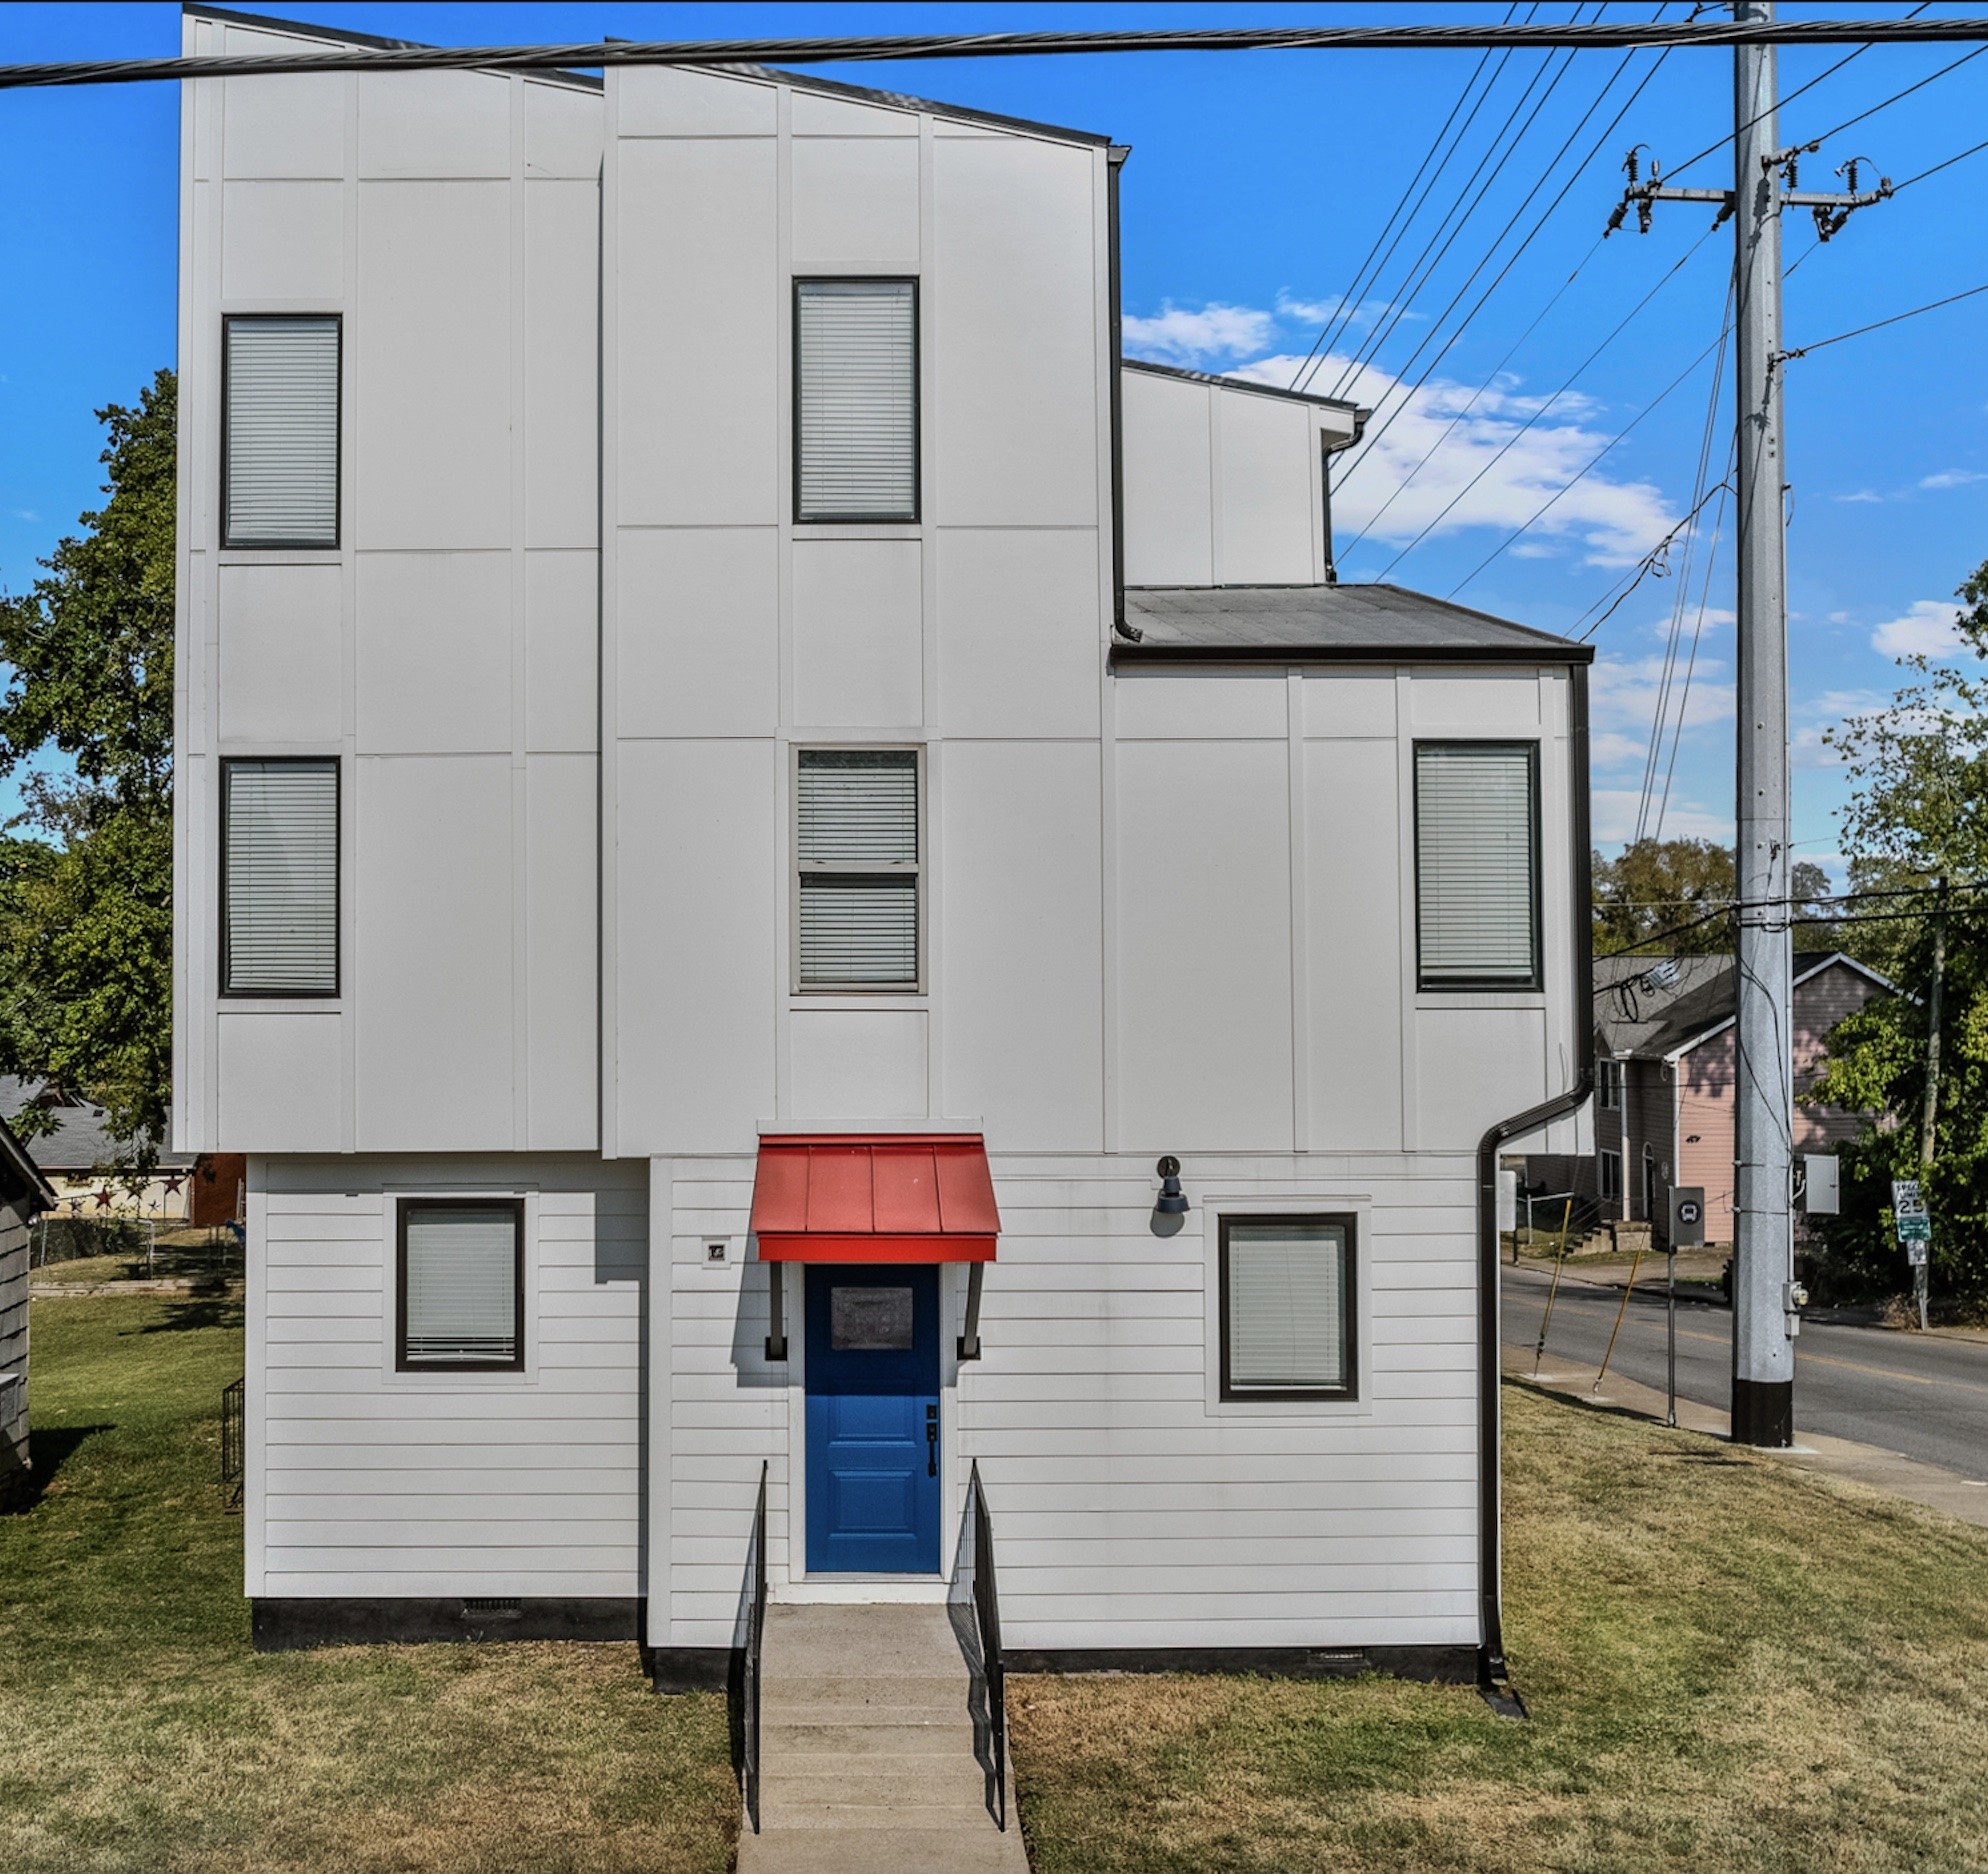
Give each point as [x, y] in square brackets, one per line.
[873, 1419]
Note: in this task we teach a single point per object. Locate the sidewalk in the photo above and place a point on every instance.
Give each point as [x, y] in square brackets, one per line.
[1960, 1497]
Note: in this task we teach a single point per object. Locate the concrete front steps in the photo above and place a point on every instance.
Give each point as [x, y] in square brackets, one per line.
[866, 1750]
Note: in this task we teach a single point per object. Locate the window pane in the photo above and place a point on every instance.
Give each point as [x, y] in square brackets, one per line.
[1474, 867]
[282, 432]
[1287, 1305]
[858, 402]
[858, 806]
[462, 1284]
[856, 928]
[869, 1320]
[281, 829]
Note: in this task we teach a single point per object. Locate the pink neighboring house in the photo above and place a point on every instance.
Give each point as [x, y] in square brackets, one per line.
[1663, 1111]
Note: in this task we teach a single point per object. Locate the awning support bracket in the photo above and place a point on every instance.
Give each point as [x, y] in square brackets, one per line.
[969, 1342]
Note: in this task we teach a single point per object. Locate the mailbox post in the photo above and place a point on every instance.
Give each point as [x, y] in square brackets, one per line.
[1687, 1226]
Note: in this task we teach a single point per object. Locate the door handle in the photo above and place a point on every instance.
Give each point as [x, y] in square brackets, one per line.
[931, 1441]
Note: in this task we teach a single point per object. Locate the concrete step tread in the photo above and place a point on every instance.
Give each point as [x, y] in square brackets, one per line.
[882, 1851]
[813, 1742]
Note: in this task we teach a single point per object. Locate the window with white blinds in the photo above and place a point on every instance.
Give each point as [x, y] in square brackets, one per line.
[856, 841]
[1477, 865]
[856, 400]
[280, 432]
[279, 878]
[1287, 1317]
[461, 1279]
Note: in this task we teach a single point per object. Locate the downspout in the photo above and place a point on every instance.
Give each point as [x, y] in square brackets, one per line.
[1114, 164]
[1493, 1678]
[1327, 452]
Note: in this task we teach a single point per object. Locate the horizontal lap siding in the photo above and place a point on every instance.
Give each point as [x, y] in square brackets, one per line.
[374, 1482]
[1126, 1511]
[14, 1242]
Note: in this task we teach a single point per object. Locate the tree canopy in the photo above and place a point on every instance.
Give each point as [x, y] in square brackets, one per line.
[1918, 811]
[1663, 897]
[86, 721]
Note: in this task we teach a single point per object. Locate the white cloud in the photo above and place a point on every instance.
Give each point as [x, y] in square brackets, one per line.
[1381, 490]
[1951, 478]
[1625, 691]
[1174, 335]
[1812, 716]
[1862, 494]
[1615, 811]
[1927, 630]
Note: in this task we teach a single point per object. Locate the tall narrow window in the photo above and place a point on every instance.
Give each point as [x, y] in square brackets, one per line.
[857, 843]
[1609, 1077]
[856, 400]
[1287, 1311]
[461, 1281]
[1477, 865]
[279, 431]
[279, 878]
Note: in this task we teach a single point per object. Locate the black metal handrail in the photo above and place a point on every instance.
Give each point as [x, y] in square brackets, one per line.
[987, 1619]
[233, 1441]
[755, 1632]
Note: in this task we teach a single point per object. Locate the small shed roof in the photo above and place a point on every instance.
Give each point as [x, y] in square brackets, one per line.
[1336, 624]
[1344, 404]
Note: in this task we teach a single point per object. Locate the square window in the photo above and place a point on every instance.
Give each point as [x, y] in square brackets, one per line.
[1287, 1308]
[461, 1284]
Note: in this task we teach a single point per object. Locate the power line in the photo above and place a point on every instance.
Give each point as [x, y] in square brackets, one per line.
[1503, 274]
[1675, 633]
[1678, 169]
[1457, 217]
[1640, 571]
[594, 55]
[1895, 97]
[1878, 325]
[1937, 167]
[1620, 437]
[1518, 434]
[1697, 633]
[1350, 300]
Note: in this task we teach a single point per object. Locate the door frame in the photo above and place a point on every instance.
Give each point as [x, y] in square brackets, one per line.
[798, 1584]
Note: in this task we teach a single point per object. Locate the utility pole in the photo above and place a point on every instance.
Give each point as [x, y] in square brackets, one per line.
[1929, 1119]
[1765, 1306]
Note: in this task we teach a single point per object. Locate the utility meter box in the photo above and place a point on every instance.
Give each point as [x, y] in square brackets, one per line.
[1687, 1216]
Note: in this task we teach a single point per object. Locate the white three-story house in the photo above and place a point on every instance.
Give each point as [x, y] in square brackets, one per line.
[785, 865]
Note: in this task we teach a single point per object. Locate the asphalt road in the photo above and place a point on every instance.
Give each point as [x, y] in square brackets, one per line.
[1922, 1397]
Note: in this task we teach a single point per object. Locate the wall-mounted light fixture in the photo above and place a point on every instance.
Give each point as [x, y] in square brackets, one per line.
[1173, 1200]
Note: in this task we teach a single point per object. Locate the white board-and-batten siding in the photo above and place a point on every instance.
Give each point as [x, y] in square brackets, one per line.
[366, 1481]
[1132, 1506]
[445, 649]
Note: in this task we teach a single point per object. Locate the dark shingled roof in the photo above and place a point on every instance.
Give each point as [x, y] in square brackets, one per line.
[1333, 624]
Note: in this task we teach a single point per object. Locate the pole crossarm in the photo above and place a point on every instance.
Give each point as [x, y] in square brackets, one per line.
[594, 55]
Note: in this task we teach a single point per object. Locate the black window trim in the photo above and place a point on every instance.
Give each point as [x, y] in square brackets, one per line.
[916, 517]
[229, 763]
[1349, 1333]
[1603, 1154]
[920, 870]
[1479, 985]
[336, 543]
[403, 1206]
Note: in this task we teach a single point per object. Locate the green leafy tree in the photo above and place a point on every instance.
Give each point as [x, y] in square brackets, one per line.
[1919, 810]
[86, 898]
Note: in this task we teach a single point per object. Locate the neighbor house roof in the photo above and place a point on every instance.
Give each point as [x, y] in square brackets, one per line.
[801, 81]
[81, 1143]
[20, 1176]
[1655, 1008]
[1338, 624]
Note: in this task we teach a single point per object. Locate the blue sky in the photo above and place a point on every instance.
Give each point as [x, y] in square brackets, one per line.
[1258, 184]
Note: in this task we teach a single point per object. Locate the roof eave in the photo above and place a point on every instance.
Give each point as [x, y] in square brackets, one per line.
[1148, 652]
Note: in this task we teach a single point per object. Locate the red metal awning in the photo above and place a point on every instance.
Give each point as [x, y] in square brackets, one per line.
[875, 1197]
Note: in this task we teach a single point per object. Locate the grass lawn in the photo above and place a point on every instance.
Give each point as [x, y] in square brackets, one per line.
[1730, 1665]
[138, 1731]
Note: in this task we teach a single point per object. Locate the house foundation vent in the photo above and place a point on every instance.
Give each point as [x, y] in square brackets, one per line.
[493, 1610]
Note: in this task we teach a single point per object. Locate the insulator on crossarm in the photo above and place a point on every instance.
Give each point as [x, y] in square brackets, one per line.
[1643, 215]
